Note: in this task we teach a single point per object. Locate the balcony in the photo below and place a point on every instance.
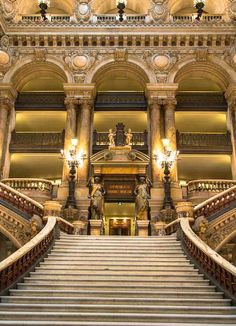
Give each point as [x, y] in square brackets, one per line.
[195, 143]
[28, 142]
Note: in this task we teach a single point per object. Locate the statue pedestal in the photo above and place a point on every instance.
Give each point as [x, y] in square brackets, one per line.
[143, 228]
[160, 228]
[95, 227]
[78, 227]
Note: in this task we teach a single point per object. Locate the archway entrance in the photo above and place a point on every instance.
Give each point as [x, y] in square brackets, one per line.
[119, 168]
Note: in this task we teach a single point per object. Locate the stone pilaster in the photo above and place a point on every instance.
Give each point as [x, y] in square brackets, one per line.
[230, 96]
[7, 125]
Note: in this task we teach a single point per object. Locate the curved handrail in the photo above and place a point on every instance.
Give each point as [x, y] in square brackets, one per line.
[210, 185]
[16, 265]
[215, 203]
[65, 226]
[215, 266]
[29, 184]
[20, 201]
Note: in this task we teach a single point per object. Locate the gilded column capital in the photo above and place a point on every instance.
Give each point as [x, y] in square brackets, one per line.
[71, 102]
[86, 103]
[169, 103]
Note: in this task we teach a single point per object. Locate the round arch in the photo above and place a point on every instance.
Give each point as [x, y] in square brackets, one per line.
[133, 6]
[213, 7]
[26, 69]
[10, 236]
[26, 7]
[213, 69]
[131, 69]
[226, 239]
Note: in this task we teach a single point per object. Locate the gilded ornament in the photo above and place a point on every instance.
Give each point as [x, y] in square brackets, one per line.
[80, 61]
[4, 58]
[161, 61]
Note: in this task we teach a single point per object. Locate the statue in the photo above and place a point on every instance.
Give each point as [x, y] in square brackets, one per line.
[111, 138]
[129, 137]
[97, 198]
[142, 196]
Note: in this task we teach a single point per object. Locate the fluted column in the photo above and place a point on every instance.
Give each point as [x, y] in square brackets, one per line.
[70, 130]
[7, 125]
[231, 99]
[169, 105]
[84, 138]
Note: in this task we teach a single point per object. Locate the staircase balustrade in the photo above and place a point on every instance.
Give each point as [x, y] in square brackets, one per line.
[216, 203]
[20, 262]
[20, 201]
[22, 184]
[215, 267]
[209, 185]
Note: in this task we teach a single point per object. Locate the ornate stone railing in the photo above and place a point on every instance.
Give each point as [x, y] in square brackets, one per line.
[213, 206]
[50, 17]
[215, 267]
[20, 202]
[201, 143]
[192, 18]
[101, 138]
[114, 18]
[29, 184]
[210, 185]
[23, 142]
[20, 262]
[14, 226]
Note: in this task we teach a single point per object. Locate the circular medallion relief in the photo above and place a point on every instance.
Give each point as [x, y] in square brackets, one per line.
[80, 61]
[161, 61]
[4, 58]
[83, 9]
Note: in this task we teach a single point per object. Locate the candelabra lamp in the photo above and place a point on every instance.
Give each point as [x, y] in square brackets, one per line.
[166, 161]
[43, 5]
[121, 4]
[199, 5]
[74, 160]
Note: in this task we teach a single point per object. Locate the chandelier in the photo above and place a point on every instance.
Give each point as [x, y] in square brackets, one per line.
[43, 5]
[199, 5]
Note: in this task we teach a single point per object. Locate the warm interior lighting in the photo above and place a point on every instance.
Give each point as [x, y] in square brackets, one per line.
[165, 142]
[74, 142]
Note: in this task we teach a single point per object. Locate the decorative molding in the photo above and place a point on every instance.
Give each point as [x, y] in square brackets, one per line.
[40, 100]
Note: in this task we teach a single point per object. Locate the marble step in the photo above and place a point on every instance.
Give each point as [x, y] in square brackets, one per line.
[128, 268]
[108, 272]
[114, 260]
[96, 323]
[138, 309]
[102, 255]
[118, 317]
[119, 282]
[116, 300]
[140, 290]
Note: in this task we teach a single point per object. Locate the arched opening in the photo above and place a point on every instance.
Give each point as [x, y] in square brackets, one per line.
[184, 7]
[201, 121]
[40, 119]
[110, 7]
[27, 7]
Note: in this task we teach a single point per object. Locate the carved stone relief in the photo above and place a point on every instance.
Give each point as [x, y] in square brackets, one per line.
[159, 10]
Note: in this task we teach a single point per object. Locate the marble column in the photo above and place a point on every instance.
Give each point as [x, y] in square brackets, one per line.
[169, 105]
[70, 130]
[155, 138]
[84, 139]
[230, 96]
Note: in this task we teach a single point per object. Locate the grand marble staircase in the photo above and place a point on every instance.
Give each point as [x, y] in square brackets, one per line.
[116, 281]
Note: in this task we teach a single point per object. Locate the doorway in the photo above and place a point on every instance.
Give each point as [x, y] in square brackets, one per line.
[119, 219]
